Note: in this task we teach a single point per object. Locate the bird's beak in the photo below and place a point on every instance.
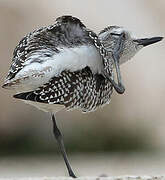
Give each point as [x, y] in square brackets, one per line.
[148, 41]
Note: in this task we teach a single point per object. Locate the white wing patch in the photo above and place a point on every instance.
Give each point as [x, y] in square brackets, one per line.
[38, 72]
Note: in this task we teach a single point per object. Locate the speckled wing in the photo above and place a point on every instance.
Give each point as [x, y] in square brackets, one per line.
[22, 51]
[78, 89]
[75, 84]
[44, 40]
[43, 43]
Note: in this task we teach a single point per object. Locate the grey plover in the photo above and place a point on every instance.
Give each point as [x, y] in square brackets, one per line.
[66, 65]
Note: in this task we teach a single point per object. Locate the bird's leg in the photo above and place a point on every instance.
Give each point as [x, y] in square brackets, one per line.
[119, 87]
[59, 139]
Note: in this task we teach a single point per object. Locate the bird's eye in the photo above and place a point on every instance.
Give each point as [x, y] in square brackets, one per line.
[115, 34]
[123, 34]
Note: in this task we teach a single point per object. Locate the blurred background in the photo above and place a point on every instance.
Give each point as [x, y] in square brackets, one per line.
[125, 137]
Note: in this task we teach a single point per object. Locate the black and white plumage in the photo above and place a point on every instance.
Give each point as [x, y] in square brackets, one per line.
[60, 64]
[80, 89]
[66, 65]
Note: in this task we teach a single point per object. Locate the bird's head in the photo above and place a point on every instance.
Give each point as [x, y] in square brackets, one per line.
[110, 35]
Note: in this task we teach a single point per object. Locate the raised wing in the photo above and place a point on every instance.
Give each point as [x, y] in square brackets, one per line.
[68, 40]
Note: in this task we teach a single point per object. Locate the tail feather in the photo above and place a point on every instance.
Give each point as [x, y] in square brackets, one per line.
[31, 96]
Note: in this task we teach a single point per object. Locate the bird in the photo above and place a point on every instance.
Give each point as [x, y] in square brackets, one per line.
[67, 66]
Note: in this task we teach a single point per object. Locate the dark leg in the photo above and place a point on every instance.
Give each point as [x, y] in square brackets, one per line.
[115, 54]
[59, 139]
